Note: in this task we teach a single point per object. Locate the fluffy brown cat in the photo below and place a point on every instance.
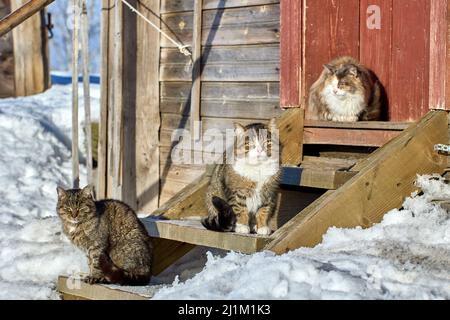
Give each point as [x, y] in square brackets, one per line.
[241, 196]
[118, 247]
[345, 91]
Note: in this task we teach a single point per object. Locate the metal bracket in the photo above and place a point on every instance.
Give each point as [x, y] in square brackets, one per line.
[442, 148]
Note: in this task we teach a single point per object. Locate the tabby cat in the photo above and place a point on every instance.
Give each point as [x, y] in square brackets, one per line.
[118, 247]
[345, 91]
[241, 196]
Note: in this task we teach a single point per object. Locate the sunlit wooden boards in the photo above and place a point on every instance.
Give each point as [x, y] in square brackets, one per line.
[193, 232]
[239, 75]
[384, 180]
[73, 289]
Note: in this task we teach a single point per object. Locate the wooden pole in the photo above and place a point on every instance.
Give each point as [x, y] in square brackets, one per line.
[86, 89]
[75, 35]
[196, 70]
[21, 14]
[117, 99]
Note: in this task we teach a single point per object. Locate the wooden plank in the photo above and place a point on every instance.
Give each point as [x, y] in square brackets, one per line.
[188, 5]
[147, 109]
[191, 231]
[438, 53]
[102, 165]
[409, 81]
[243, 25]
[353, 137]
[367, 125]
[249, 100]
[86, 91]
[224, 63]
[374, 40]
[84, 291]
[196, 70]
[384, 179]
[291, 52]
[332, 30]
[290, 126]
[22, 10]
[75, 52]
[30, 61]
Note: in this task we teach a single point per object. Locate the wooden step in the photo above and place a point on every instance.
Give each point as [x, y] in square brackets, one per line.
[319, 172]
[79, 290]
[192, 231]
[362, 133]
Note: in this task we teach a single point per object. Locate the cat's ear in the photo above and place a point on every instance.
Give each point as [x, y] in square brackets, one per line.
[353, 71]
[61, 192]
[239, 129]
[87, 191]
[329, 68]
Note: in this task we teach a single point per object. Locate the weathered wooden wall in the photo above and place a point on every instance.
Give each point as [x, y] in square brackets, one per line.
[24, 67]
[6, 57]
[407, 52]
[239, 78]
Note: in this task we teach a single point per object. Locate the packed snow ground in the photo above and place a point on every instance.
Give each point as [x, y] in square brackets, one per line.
[406, 256]
[35, 158]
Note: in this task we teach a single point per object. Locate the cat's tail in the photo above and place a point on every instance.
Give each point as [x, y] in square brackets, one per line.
[119, 276]
[225, 219]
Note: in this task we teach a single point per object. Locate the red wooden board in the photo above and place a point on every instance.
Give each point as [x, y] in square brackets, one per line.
[291, 53]
[375, 43]
[409, 79]
[331, 30]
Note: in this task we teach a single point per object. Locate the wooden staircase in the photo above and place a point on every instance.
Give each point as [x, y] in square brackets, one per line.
[346, 192]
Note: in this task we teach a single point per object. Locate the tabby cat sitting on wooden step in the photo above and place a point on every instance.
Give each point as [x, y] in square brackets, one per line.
[345, 91]
[117, 245]
[241, 195]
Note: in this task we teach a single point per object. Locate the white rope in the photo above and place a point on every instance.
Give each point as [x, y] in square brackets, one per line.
[183, 49]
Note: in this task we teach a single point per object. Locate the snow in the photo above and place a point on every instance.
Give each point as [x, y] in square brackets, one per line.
[34, 159]
[406, 256]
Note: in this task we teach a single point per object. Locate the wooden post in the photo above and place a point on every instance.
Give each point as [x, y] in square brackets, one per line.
[75, 36]
[117, 99]
[31, 67]
[102, 165]
[86, 89]
[196, 70]
[21, 14]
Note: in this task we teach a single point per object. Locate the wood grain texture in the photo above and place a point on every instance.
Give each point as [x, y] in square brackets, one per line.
[193, 232]
[147, 110]
[291, 52]
[31, 68]
[438, 54]
[332, 29]
[188, 5]
[376, 44]
[6, 58]
[409, 82]
[384, 179]
[243, 25]
[224, 63]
